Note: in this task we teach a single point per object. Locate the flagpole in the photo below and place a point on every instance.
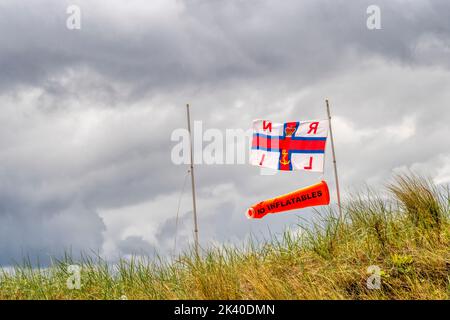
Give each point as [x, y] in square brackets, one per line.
[334, 161]
[193, 182]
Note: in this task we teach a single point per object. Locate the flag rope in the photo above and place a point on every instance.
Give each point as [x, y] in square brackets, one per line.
[178, 209]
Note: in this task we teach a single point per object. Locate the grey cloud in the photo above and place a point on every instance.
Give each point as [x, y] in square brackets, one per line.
[38, 232]
[210, 42]
[133, 245]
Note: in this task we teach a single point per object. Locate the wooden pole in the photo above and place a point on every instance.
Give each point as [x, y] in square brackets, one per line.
[334, 161]
[193, 182]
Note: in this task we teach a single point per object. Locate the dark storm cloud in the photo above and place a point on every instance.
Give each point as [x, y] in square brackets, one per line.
[209, 42]
[38, 232]
[87, 114]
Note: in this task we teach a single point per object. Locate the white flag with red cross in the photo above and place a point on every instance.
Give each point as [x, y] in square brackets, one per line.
[289, 146]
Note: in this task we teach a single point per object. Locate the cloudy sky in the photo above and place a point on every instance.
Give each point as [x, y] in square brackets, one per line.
[87, 115]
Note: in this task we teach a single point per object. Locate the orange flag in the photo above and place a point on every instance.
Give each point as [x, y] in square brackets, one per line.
[315, 195]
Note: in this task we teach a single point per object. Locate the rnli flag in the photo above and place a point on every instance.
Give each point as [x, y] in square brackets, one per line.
[289, 146]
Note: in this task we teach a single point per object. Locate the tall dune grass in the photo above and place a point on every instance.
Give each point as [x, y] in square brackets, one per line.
[403, 230]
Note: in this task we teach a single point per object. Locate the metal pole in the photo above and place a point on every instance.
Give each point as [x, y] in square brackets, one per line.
[193, 183]
[334, 161]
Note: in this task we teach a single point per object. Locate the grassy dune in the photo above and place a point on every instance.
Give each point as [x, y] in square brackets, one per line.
[403, 230]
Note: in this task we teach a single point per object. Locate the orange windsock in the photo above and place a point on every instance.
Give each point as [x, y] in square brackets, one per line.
[315, 195]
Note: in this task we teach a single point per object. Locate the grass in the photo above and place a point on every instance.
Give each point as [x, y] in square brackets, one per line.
[402, 234]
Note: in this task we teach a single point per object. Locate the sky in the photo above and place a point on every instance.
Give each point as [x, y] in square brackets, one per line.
[87, 114]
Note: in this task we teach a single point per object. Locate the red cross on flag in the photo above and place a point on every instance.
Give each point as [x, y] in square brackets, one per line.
[289, 146]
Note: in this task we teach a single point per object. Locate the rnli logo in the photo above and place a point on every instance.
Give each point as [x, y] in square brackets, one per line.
[290, 130]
